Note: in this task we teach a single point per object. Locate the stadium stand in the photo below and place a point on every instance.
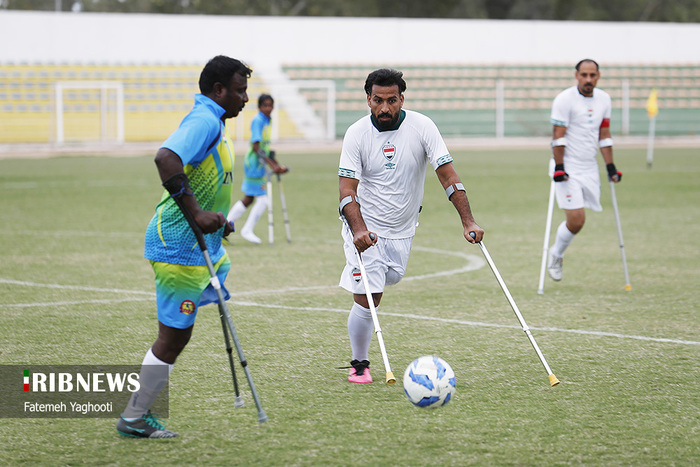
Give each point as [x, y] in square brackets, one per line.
[156, 97]
[462, 99]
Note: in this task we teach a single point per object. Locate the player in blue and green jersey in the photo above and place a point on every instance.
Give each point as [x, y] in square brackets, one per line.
[258, 156]
[196, 164]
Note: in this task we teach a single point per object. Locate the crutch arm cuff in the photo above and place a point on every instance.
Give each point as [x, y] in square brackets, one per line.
[178, 185]
[450, 190]
[345, 201]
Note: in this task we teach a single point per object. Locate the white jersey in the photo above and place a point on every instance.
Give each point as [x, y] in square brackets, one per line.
[390, 166]
[582, 116]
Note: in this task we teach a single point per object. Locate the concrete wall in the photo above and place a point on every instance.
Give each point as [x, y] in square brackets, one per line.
[263, 41]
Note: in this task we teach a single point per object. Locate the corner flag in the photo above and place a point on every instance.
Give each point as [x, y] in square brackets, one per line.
[652, 110]
[652, 104]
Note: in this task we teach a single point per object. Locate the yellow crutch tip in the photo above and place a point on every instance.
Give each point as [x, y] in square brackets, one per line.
[628, 287]
[390, 379]
[553, 380]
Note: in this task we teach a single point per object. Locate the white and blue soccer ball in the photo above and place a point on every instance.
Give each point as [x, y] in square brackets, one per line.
[429, 382]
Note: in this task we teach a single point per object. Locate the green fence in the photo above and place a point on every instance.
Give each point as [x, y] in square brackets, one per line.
[464, 99]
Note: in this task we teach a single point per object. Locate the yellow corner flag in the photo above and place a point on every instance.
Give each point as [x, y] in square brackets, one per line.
[652, 104]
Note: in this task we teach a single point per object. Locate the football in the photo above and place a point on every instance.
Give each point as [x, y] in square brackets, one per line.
[429, 382]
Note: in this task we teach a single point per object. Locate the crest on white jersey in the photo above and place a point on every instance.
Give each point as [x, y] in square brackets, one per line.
[389, 151]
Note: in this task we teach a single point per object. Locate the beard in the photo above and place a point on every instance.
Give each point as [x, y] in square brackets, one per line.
[387, 124]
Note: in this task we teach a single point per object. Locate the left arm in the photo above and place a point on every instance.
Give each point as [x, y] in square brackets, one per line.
[269, 159]
[607, 152]
[169, 165]
[448, 177]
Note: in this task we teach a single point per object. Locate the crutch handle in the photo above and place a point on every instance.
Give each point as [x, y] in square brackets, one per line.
[372, 236]
[472, 235]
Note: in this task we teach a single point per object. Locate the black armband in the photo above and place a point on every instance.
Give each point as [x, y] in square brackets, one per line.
[178, 185]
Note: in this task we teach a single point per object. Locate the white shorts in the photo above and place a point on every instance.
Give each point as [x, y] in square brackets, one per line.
[581, 190]
[385, 263]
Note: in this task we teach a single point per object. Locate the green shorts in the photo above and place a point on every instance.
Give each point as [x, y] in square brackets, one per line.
[181, 290]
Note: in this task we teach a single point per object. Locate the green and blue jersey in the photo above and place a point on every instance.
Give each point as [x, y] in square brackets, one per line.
[254, 167]
[207, 156]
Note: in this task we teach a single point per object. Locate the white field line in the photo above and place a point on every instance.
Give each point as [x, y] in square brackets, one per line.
[473, 263]
[473, 323]
[74, 287]
[76, 233]
[31, 185]
[77, 302]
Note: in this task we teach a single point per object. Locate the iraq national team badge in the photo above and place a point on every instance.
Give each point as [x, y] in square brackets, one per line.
[356, 275]
[389, 151]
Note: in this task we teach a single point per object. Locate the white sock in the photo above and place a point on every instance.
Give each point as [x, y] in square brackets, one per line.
[562, 240]
[236, 211]
[258, 209]
[360, 327]
[153, 376]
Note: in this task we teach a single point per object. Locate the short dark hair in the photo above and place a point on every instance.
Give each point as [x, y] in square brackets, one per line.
[221, 69]
[385, 77]
[589, 60]
[263, 98]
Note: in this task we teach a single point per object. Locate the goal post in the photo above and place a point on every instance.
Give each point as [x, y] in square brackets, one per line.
[310, 104]
[109, 106]
[325, 103]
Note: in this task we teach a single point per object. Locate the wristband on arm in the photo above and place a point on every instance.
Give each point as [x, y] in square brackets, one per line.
[560, 174]
[559, 142]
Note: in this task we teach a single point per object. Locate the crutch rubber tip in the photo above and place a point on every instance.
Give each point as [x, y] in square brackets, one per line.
[262, 418]
[628, 287]
[238, 403]
[540, 291]
[390, 379]
[553, 381]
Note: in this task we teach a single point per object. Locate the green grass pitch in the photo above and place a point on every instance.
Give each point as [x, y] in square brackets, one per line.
[75, 289]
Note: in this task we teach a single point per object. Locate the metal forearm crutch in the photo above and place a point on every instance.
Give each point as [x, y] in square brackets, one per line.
[628, 286]
[283, 204]
[270, 218]
[390, 379]
[223, 310]
[239, 402]
[553, 381]
[547, 232]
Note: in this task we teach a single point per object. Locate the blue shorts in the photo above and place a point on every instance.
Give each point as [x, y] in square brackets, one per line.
[181, 290]
[253, 186]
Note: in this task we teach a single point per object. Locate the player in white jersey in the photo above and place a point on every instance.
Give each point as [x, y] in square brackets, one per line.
[382, 173]
[581, 120]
